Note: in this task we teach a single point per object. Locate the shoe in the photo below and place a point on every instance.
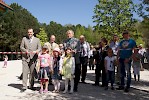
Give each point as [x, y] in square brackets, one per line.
[32, 88]
[41, 91]
[120, 88]
[54, 91]
[112, 88]
[57, 91]
[23, 90]
[45, 91]
[126, 90]
[64, 91]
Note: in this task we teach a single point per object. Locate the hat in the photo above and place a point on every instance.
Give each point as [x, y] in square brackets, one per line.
[45, 46]
[57, 49]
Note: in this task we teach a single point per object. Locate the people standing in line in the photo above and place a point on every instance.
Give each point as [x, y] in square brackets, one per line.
[91, 59]
[44, 69]
[32, 46]
[109, 63]
[84, 56]
[136, 58]
[97, 61]
[72, 43]
[5, 61]
[68, 69]
[125, 49]
[56, 77]
[114, 45]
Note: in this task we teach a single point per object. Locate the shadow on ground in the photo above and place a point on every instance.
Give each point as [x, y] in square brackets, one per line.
[89, 92]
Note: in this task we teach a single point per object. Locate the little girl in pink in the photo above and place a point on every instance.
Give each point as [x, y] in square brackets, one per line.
[5, 61]
[44, 69]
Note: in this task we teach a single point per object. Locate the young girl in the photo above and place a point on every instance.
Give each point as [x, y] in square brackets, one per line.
[44, 69]
[68, 67]
[5, 61]
[109, 68]
[56, 70]
[136, 57]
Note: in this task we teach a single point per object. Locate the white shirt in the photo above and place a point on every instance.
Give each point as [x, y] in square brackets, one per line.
[110, 63]
[86, 48]
[142, 51]
[114, 47]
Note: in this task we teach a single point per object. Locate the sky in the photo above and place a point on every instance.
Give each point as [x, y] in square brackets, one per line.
[60, 11]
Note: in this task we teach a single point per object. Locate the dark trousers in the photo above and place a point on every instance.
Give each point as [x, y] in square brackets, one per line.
[110, 77]
[103, 74]
[125, 71]
[91, 65]
[84, 61]
[97, 74]
[77, 76]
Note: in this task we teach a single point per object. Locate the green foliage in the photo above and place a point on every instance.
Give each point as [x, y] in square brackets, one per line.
[113, 16]
[13, 26]
[42, 35]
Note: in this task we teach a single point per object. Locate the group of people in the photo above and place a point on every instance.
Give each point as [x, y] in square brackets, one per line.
[54, 60]
[70, 60]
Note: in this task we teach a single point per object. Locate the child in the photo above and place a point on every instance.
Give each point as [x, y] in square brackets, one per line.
[109, 68]
[5, 61]
[68, 67]
[136, 57]
[44, 69]
[56, 70]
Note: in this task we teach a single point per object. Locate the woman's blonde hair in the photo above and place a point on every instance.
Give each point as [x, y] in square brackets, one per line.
[70, 31]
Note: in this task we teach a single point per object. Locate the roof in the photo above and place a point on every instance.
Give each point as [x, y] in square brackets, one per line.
[3, 5]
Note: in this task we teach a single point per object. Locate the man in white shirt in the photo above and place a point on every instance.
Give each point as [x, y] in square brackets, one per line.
[84, 55]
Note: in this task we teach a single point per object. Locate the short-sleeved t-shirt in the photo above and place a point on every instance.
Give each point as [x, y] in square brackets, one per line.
[110, 63]
[44, 60]
[126, 47]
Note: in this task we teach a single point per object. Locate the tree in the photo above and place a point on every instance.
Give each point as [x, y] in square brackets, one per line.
[42, 35]
[144, 25]
[113, 16]
[14, 25]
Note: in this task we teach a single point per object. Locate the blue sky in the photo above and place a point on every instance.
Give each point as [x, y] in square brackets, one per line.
[61, 11]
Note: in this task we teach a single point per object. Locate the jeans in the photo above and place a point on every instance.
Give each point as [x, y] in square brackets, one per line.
[125, 70]
[110, 77]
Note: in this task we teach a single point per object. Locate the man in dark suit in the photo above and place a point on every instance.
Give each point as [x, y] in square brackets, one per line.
[31, 45]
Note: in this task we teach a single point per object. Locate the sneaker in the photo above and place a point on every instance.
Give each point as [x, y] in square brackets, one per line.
[45, 91]
[126, 90]
[41, 91]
